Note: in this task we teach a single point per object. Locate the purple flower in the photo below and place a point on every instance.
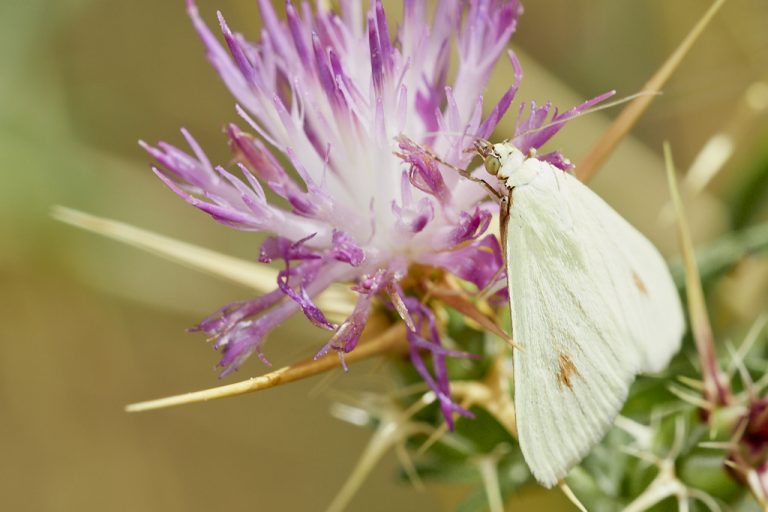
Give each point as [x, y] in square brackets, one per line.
[341, 114]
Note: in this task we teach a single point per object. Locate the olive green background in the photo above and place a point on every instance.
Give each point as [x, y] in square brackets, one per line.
[88, 325]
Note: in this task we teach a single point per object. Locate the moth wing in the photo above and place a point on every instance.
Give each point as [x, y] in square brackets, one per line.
[585, 325]
[648, 295]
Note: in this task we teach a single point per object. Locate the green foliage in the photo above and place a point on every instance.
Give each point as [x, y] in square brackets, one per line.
[752, 191]
[664, 438]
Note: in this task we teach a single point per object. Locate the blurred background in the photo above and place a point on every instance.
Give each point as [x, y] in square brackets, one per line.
[88, 325]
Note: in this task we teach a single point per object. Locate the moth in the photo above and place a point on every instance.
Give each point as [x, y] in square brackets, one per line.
[592, 304]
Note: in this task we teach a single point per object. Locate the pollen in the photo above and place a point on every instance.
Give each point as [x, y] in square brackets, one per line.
[566, 370]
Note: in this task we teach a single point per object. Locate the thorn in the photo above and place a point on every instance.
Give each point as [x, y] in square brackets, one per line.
[571, 496]
[719, 445]
[691, 382]
[390, 340]
[641, 433]
[408, 466]
[464, 306]
[639, 454]
[337, 301]
[679, 440]
[632, 112]
[394, 428]
[749, 341]
[716, 387]
[761, 383]
[433, 438]
[489, 472]
[691, 399]
[737, 362]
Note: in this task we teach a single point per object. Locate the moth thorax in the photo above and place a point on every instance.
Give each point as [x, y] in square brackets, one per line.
[511, 160]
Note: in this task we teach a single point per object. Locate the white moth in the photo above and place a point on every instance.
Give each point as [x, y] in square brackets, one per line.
[592, 303]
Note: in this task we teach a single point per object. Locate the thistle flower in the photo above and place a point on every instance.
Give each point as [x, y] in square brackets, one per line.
[342, 113]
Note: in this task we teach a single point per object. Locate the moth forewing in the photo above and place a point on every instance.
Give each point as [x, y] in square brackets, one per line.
[647, 294]
[592, 302]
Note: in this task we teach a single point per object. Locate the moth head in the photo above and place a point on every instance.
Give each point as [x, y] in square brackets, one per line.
[492, 164]
[500, 160]
[491, 158]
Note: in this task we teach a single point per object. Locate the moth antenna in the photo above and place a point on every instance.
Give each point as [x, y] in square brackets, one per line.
[445, 132]
[482, 147]
[592, 110]
[474, 148]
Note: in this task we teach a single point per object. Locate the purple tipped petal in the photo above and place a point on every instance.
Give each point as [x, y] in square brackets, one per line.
[244, 337]
[486, 129]
[387, 52]
[247, 337]
[276, 247]
[423, 173]
[221, 210]
[302, 298]
[479, 263]
[439, 383]
[488, 27]
[345, 249]
[324, 71]
[470, 225]
[225, 318]
[534, 130]
[374, 47]
[348, 333]
[557, 159]
[298, 33]
[414, 218]
[238, 52]
[229, 72]
[258, 159]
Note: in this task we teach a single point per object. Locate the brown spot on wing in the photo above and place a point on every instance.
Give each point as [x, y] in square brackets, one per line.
[639, 283]
[566, 370]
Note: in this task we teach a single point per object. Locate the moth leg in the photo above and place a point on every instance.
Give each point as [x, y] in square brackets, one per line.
[495, 193]
[465, 174]
[505, 203]
[504, 208]
[492, 286]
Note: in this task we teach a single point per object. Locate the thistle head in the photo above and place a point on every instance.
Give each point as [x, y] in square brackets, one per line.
[347, 165]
